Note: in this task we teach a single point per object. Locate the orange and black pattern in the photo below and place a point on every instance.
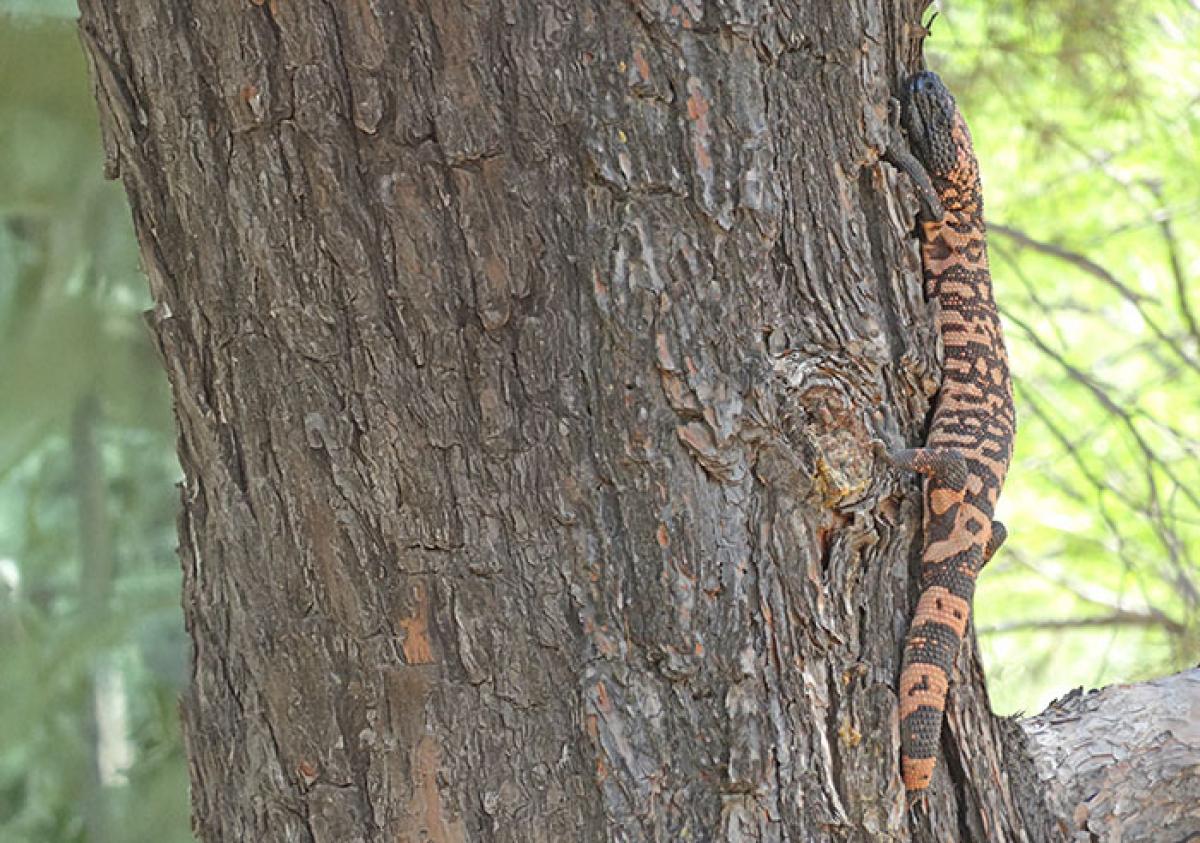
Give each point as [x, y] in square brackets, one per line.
[969, 445]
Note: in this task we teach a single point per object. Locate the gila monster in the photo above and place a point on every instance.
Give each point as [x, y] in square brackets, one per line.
[969, 445]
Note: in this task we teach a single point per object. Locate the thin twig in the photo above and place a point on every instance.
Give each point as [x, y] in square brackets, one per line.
[1121, 618]
[1094, 269]
[1181, 285]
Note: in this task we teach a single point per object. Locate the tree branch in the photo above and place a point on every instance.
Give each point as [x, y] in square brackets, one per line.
[1121, 763]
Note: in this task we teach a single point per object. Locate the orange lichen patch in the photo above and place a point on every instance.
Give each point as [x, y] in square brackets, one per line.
[937, 604]
[850, 736]
[664, 538]
[416, 646]
[917, 772]
[643, 66]
[427, 813]
[307, 771]
[922, 685]
[698, 108]
[602, 701]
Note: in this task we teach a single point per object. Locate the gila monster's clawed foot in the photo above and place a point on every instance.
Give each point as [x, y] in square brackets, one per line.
[881, 451]
[898, 155]
[999, 534]
[918, 802]
[929, 206]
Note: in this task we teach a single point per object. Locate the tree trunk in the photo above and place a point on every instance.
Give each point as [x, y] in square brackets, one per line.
[526, 357]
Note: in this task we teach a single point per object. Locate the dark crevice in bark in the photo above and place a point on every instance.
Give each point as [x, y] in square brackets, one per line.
[964, 803]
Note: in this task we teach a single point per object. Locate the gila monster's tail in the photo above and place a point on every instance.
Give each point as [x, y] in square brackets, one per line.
[929, 652]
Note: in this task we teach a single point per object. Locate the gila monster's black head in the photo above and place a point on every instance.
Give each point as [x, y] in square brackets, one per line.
[939, 136]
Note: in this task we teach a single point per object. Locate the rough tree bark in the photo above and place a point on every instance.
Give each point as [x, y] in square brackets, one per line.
[525, 357]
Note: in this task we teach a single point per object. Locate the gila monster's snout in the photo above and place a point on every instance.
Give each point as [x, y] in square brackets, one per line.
[929, 117]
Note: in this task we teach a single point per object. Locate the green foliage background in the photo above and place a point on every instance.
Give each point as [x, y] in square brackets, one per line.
[1086, 115]
[87, 612]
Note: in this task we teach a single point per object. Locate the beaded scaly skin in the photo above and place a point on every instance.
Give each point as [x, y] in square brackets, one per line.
[967, 451]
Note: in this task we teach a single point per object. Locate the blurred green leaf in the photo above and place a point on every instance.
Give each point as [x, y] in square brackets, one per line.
[70, 330]
[40, 8]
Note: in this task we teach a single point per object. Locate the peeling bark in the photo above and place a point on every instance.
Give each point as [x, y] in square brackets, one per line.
[525, 359]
